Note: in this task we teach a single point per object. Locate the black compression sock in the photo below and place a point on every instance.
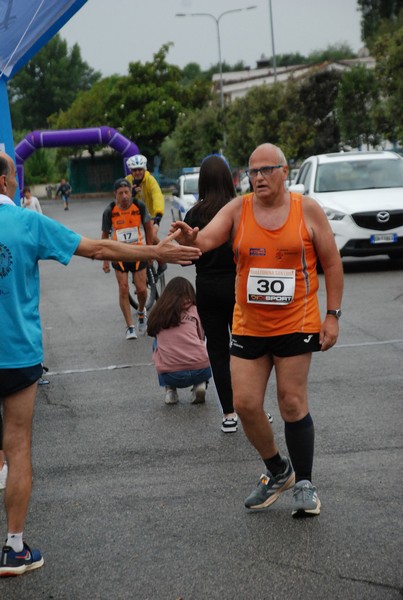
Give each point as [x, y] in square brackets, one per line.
[299, 437]
[275, 464]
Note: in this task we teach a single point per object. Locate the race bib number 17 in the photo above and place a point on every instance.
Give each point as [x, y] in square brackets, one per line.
[270, 286]
[130, 235]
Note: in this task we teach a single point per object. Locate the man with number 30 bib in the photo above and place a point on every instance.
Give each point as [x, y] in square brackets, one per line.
[277, 237]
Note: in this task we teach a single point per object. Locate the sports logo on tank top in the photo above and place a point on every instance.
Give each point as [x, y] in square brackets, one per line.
[257, 251]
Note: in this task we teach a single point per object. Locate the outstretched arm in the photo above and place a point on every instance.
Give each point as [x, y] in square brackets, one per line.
[216, 233]
[165, 251]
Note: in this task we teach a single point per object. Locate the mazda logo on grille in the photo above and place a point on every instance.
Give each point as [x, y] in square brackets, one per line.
[383, 217]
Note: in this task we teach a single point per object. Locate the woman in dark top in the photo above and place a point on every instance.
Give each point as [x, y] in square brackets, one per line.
[215, 280]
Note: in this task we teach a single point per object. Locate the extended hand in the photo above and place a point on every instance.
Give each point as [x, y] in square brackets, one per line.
[187, 235]
[173, 253]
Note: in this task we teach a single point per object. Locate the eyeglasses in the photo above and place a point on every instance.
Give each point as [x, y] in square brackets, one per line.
[265, 171]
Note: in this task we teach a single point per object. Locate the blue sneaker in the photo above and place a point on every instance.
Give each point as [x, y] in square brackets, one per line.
[270, 487]
[17, 563]
[306, 502]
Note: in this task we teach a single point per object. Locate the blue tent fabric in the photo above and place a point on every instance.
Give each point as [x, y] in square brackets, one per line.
[25, 27]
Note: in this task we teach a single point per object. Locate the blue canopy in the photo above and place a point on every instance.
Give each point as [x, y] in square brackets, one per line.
[25, 27]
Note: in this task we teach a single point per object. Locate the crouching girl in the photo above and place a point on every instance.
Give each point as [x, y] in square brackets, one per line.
[179, 351]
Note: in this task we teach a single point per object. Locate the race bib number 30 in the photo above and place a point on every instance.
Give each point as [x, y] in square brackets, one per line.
[270, 286]
[130, 235]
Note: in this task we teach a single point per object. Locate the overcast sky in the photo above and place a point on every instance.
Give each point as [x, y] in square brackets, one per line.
[112, 33]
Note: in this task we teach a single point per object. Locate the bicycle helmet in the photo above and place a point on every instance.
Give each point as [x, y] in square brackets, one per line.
[138, 161]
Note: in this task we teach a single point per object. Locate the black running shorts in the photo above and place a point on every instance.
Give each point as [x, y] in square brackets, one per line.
[293, 344]
[15, 380]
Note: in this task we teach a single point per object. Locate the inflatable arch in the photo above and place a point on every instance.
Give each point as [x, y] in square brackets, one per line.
[72, 137]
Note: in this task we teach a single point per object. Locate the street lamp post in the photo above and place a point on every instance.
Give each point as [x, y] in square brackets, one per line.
[217, 22]
[272, 43]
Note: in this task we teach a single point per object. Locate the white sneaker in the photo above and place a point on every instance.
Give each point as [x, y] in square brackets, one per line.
[3, 476]
[199, 393]
[131, 333]
[171, 396]
[142, 321]
[229, 424]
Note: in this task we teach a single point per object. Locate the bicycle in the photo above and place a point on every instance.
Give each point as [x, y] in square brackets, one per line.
[155, 286]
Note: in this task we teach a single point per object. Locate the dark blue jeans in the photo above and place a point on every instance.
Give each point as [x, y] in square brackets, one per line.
[184, 379]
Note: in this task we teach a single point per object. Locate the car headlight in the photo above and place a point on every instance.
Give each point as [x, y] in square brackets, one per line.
[333, 215]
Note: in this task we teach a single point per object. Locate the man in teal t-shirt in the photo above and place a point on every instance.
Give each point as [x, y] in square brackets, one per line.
[25, 238]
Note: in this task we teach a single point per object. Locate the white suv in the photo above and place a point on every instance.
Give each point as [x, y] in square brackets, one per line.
[186, 194]
[362, 196]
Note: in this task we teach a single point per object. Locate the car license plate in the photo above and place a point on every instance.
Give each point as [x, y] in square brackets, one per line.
[383, 238]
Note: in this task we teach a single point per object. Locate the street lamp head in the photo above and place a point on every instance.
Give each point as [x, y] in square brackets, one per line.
[217, 22]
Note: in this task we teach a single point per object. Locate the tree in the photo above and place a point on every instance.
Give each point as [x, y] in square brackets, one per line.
[255, 119]
[146, 104]
[289, 60]
[49, 82]
[198, 133]
[298, 116]
[317, 97]
[89, 109]
[388, 52]
[143, 105]
[356, 104]
[190, 72]
[378, 17]
[333, 52]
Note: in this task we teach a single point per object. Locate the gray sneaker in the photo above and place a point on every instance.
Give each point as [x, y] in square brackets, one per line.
[270, 487]
[306, 501]
[131, 333]
[142, 321]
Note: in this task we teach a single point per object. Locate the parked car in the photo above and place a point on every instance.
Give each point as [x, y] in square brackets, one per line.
[292, 176]
[186, 194]
[166, 182]
[244, 186]
[362, 196]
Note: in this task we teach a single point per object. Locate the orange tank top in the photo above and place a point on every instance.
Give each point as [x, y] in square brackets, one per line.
[126, 224]
[276, 280]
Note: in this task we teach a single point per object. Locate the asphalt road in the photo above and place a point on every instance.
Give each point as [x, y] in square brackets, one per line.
[137, 500]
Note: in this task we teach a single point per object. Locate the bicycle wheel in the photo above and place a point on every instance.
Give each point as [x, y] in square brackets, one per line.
[160, 284]
[151, 291]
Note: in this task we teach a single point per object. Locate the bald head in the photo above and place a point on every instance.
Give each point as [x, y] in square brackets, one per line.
[8, 176]
[273, 153]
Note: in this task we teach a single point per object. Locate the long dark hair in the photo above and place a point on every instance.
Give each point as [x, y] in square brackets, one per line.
[178, 295]
[216, 188]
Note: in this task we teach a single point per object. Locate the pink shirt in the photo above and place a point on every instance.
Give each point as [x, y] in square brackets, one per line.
[182, 348]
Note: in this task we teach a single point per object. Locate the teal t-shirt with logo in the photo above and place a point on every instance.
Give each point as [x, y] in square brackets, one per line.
[25, 238]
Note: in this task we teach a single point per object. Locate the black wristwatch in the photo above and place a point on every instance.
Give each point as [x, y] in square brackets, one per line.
[335, 313]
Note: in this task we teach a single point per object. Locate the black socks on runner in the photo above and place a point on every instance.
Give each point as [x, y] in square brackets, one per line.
[275, 464]
[299, 437]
